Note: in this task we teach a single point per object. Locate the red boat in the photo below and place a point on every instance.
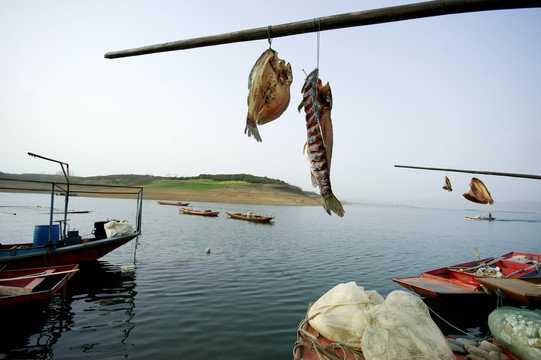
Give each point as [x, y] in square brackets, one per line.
[178, 203]
[200, 212]
[251, 217]
[459, 282]
[33, 284]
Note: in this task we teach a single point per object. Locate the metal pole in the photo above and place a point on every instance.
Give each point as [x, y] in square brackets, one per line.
[360, 18]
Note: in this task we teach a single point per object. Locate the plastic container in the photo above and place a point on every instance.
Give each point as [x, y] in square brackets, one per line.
[41, 234]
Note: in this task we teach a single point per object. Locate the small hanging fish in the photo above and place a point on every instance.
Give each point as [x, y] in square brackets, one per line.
[317, 101]
[268, 96]
[478, 193]
[447, 185]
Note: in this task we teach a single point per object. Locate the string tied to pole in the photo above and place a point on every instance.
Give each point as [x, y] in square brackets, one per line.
[269, 37]
[318, 32]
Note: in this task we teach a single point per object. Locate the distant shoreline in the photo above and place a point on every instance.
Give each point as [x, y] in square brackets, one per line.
[235, 194]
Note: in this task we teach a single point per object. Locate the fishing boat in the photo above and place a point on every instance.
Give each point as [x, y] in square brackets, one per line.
[34, 284]
[526, 291]
[460, 282]
[251, 217]
[199, 212]
[479, 217]
[53, 244]
[176, 203]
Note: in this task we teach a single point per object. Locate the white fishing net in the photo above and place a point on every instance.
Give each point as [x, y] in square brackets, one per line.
[398, 327]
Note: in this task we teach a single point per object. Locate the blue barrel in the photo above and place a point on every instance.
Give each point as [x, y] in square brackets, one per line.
[41, 234]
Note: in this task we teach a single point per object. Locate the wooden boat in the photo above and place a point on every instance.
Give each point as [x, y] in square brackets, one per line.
[459, 282]
[177, 203]
[251, 217]
[526, 291]
[33, 284]
[63, 249]
[479, 217]
[199, 212]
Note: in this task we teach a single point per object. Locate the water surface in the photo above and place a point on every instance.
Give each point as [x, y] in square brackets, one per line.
[246, 298]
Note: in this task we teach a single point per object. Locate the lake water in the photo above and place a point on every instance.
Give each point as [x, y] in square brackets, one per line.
[246, 298]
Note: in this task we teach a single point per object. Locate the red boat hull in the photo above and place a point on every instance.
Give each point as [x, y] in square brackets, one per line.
[178, 203]
[27, 256]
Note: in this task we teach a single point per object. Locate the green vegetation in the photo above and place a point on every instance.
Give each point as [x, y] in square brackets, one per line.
[200, 182]
[191, 184]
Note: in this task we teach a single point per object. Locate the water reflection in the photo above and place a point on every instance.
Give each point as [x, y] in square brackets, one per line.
[31, 330]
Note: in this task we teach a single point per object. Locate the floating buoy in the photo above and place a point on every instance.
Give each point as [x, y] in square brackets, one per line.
[207, 251]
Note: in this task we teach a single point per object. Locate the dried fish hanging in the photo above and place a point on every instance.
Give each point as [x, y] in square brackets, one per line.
[268, 85]
[317, 102]
[447, 185]
[478, 192]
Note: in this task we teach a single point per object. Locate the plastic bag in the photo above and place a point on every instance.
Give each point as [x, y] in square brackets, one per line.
[401, 328]
[114, 228]
[341, 314]
[519, 330]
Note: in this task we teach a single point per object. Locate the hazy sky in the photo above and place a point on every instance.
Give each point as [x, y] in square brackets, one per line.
[457, 91]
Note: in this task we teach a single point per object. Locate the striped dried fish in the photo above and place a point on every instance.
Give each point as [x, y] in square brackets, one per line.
[478, 193]
[317, 102]
[268, 97]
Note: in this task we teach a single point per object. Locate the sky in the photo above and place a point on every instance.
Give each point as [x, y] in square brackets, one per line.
[456, 91]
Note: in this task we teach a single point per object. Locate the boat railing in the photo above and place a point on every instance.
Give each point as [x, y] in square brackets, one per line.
[74, 189]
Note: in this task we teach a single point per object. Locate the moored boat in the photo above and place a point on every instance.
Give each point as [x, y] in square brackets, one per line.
[459, 282]
[199, 212]
[251, 217]
[53, 244]
[33, 284]
[176, 203]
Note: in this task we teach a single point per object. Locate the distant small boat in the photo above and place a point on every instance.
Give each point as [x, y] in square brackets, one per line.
[200, 212]
[479, 217]
[178, 203]
[251, 217]
[526, 291]
[33, 284]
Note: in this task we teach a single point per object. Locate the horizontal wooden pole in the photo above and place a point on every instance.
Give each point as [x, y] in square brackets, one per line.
[360, 18]
[526, 176]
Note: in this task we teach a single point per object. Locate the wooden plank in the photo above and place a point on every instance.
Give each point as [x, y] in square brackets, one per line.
[360, 18]
[13, 290]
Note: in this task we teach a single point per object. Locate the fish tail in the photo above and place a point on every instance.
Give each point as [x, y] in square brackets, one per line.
[251, 130]
[331, 203]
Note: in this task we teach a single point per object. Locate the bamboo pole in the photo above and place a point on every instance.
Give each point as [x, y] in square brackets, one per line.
[360, 18]
[526, 176]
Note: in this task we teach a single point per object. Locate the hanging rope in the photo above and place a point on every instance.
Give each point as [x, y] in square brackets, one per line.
[318, 32]
[269, 38]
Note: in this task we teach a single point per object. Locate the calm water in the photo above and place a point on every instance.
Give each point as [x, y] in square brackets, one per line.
[246, 298]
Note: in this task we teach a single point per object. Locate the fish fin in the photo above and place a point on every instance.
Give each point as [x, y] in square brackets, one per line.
[251, 129]
[301, 105]
[331, 203]
[314, 180]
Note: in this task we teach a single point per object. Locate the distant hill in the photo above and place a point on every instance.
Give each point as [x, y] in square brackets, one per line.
[231, 188]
